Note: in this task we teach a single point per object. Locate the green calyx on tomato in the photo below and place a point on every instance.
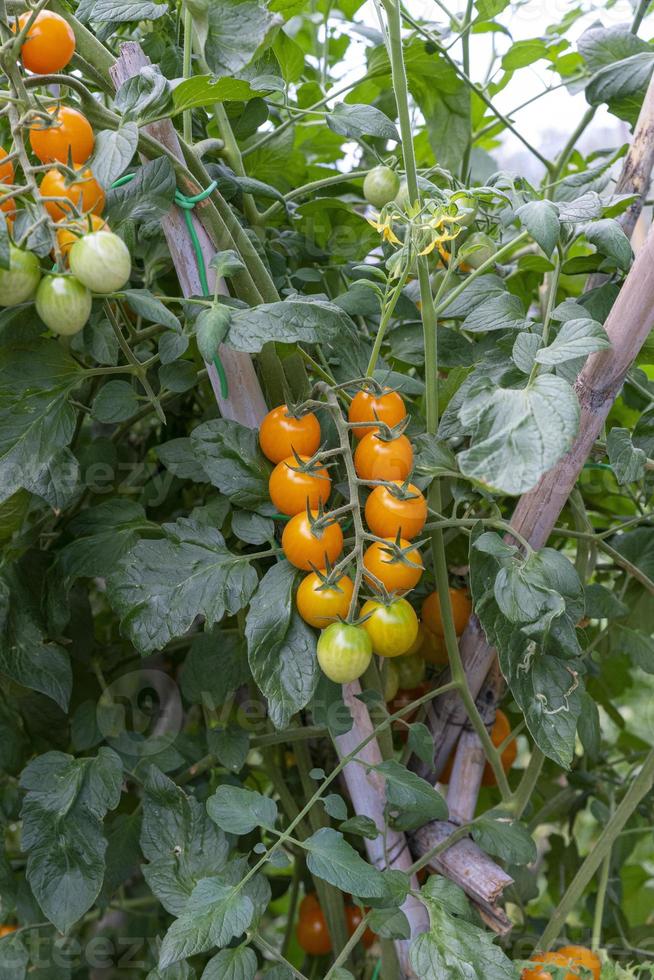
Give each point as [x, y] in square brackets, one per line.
[344, 652]
[18, 283]
[392, 627]
[101, 261]
[63, 304]
[380, 186]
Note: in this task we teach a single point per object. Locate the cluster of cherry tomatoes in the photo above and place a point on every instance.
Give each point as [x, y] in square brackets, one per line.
[312, 932]
[395, 514]
[576, 959]
[98, 260]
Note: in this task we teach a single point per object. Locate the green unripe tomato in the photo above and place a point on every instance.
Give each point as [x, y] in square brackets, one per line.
[63, 304]
[467, 209]
[380, 186]
[101, 261]
[410, 670]
[482, 248]
[344, 652]
[391, 680]
[19, 281]
[402, 196]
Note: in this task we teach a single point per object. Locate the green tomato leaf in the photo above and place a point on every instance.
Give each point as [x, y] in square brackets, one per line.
[517, 434]
[252, 528]
[214, 668]
[456, 946]
[503, 312]
[211, 329]
[411, 801]
[113, 152]
[160, 587]
[627, 461]
[205, 90]
[576, 338]
[281, 647]
[229, 454]
[151, 309]
[181, 844]
[608, 238]
[115, 402]
[144, 96]
[124, 11]
[505, 838]
[355, 121]
[148, 197]
[62, 815]
[239, 811]
[235, 32]
[330, 857]
[292, 322]
[541, 220]
[227, 263]
[101, 536]
[239, 963]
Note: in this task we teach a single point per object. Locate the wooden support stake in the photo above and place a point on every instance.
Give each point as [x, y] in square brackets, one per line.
[244, 402]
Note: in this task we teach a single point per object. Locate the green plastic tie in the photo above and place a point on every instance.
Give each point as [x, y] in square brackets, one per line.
[186, 204]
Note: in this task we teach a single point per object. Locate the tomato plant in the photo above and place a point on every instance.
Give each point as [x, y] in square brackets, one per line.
[327, 404]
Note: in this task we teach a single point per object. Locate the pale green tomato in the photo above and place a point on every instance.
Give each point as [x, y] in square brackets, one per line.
[402, 196]
[467, 209]
[63, 304]
[101, 261]
[481, 246]
[19, 281]
[391, 680]
[380, 186]
[344, 652]
[392, 627]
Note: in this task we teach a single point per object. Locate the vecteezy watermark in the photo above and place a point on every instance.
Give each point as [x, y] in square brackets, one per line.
[140, 713]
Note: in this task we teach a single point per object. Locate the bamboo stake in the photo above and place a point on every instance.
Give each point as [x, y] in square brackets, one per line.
[244, 402]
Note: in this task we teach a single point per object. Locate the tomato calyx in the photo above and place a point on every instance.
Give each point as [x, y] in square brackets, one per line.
[309, 464]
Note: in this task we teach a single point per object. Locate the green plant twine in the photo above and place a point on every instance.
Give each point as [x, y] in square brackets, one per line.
[187, 204]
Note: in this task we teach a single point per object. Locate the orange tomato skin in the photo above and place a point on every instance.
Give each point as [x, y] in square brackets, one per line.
[377, 459]
[388, 407]
[320, 607]
[396, 576]
[290, 488]
[387, 514]
[281, 433]
[72, 136]
[581, 956]
[49, 45]
[6, 168]
[9, 206]
[573, 957]
[353, 916]
[68, 234]
[312, 932]
[461, 609]
[307, 548]
[7, 930]
[85, 194]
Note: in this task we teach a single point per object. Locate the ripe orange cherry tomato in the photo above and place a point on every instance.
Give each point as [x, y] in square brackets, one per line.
[388, 407]
[49, 45]
[392, 627]
[307, 546]
[291, 487]
[71, 232]
[321, 606]
[581, 956]
[388, 512]
[9, 206]
[85, 194]
[281, 433]
[461, 609]
[6, 168]
[353, 916]
[573, 957]
[312, 932]
[379, 459]
[396, 575]
[7, 930]
[70, 135]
